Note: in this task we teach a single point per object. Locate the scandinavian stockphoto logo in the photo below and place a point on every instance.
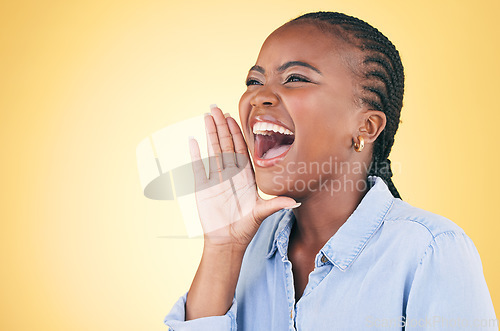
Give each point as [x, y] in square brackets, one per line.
[327, 175]
[166, 171]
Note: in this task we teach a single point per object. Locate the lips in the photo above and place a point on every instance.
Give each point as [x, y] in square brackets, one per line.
[272, 141]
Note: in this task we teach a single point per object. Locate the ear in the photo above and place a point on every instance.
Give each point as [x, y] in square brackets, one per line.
[374, 123]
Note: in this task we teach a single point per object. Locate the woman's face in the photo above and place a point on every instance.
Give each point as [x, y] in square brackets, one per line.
[302, 84]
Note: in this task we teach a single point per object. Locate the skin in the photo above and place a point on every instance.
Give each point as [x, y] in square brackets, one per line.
[315, 97]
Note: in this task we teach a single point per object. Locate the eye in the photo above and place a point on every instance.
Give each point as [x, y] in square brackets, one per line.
[296, 78]
[252, 81]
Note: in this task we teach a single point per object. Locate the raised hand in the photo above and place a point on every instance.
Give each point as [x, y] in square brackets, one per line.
[231, 212]
[229, 206]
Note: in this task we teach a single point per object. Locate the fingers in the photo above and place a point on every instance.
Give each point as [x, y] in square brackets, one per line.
[224, 135]
[225, 139]
[196, 162]
[220, 141]
[214, 151]
[240, 146]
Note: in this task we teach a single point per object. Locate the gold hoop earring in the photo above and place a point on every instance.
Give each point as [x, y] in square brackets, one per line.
[359, 147]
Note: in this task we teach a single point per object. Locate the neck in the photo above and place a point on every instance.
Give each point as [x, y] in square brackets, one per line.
[322, 213]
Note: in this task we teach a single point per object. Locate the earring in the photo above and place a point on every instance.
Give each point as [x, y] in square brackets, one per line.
[359, 147]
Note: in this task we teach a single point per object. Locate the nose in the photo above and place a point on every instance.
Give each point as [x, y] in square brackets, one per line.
[265, 97]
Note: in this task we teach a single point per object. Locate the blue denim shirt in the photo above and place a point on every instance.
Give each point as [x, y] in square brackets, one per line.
[390, 266]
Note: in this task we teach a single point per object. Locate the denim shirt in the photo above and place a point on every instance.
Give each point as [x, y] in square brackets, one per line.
[390, 266]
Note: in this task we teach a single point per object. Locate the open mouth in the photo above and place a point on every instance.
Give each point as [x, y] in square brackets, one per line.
[271, 140]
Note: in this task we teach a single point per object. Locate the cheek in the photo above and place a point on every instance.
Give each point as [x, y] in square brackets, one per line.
[312, 111]
[244, 108]
[323, 123]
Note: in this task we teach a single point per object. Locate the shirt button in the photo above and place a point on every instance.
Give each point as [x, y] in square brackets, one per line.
[291, 312]
[324, 259]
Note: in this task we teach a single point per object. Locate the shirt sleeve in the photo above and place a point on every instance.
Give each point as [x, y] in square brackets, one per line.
[449, 291]
[176, 319]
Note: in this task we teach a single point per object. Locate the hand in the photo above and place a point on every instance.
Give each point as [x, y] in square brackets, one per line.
[229, 206]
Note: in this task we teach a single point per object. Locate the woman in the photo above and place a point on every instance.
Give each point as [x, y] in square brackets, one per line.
[337, 249]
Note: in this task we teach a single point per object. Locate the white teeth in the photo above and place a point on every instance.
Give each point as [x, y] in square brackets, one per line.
[266, 128]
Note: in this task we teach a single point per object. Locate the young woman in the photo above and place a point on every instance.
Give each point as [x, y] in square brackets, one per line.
[336, 249]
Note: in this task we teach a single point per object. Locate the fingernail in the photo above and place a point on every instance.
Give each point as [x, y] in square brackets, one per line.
[226, 115]
[206, 114]
[212, 106]
[191, 137]
[295, 205]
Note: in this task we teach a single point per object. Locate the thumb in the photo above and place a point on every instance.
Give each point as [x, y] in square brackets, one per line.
[268, 207]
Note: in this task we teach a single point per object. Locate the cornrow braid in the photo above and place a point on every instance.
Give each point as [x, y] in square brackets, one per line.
[381, 79]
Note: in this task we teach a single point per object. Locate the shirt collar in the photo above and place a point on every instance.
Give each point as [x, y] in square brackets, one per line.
[350, 239]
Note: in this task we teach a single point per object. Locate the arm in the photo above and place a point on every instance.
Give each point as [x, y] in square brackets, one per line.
[231, 212]
[449, 290]
[214, 284]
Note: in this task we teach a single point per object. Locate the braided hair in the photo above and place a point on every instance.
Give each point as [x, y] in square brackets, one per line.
[381, 78]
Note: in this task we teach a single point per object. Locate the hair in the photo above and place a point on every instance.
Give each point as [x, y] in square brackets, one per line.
[381, 78]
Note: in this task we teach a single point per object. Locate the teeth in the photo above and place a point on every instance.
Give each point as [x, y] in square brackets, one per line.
[266, 128]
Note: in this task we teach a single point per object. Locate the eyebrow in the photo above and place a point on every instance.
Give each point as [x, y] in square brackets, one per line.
[286, 66]
[258, 68]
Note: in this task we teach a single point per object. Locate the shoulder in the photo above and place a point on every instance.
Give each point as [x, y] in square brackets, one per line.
[421, 229]
[424, 222]
[402, 224]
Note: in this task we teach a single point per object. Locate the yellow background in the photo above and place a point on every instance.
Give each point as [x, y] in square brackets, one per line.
[82, 82]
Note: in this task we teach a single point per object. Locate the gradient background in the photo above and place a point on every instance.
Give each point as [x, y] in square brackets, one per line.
[82, 82]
